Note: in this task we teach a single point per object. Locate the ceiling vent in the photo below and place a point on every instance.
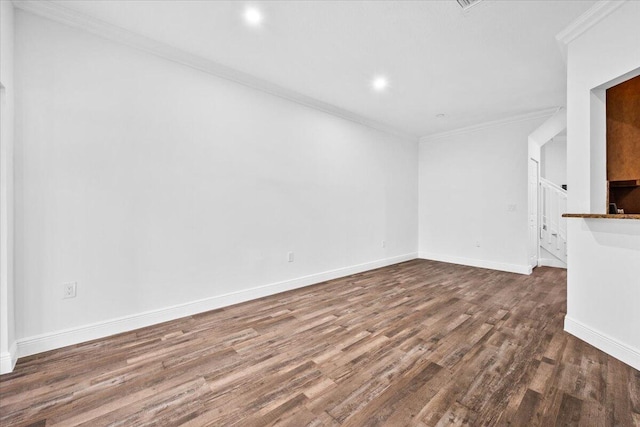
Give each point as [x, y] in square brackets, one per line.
[467, 4]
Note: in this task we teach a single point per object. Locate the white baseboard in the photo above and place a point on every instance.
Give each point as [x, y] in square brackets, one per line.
[551, 262]
[492, 265]
[8, 359]
[57, 339]
[602, 341]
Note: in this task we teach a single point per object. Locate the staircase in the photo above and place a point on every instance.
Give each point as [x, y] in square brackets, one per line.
[553, 228]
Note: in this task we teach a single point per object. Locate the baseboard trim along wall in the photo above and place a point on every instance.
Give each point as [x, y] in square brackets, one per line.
[57, 339]
[550, 262]
[601, 341]
[8, 359]
[511, 268]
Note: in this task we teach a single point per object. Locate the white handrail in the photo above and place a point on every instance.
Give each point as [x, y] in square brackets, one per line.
[548, 183]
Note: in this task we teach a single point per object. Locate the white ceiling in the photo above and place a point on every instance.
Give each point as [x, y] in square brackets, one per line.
[498, 59]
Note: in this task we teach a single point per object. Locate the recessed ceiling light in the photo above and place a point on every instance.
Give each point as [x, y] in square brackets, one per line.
[380, 83]
[253, 16]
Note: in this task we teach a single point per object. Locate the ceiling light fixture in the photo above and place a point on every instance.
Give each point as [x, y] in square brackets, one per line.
[380, 83]
[253, 16]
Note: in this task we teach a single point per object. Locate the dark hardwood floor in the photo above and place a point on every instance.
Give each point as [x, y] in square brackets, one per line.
[420, 343]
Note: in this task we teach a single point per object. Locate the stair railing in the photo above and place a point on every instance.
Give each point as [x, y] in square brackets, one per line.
[553, 228]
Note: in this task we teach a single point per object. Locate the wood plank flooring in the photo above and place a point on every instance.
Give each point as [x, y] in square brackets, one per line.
[420, 343]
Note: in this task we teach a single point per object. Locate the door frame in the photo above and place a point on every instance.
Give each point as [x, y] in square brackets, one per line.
[533, 209]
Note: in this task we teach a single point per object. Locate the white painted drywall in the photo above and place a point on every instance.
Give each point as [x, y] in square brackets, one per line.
[467, 182]
[553, 165]
[603, 255]
[7, 325]
[153, 185]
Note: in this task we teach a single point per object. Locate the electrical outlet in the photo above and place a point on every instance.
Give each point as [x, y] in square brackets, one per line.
[70, 290]
[290, 257]
[511, 207]
[477, 243]
[384, 243]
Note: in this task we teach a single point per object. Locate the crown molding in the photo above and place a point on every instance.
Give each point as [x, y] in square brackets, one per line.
[75, 19]
[538, 114]
[591, 17]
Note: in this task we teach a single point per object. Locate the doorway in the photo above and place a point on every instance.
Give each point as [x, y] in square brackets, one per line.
[534, 243]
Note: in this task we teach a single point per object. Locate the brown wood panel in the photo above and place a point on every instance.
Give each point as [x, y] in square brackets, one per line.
[623, 145]
[623, 131]
[420, 343]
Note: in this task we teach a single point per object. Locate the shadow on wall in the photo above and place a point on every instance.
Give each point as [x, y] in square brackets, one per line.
[615, 233]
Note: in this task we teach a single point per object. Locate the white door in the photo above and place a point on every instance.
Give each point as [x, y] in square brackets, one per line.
[533, 213]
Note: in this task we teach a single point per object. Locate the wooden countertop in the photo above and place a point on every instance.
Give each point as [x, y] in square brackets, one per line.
[602, 216]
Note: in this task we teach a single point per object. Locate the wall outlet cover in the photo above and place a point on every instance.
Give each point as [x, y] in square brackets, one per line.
[70, 290]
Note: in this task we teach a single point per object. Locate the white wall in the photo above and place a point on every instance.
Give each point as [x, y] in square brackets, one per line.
[467, 182]
[604, 255]
[159, 187]
[554, 160]
[7, 325]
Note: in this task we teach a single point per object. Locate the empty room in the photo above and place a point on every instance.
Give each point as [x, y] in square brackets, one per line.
[319, 213]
